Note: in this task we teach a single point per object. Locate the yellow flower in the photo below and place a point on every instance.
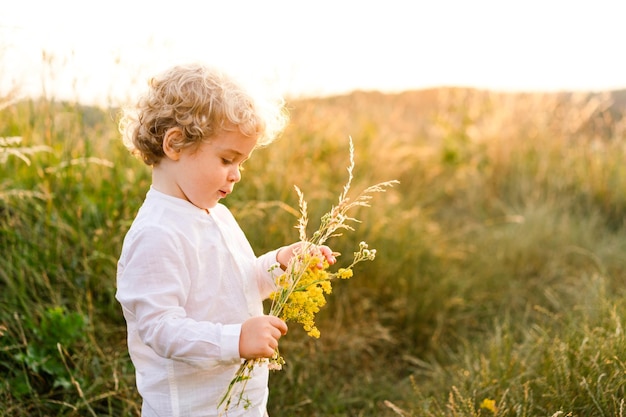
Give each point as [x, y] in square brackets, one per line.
[326, 286]
[344, 273]
[300, 298]
[488, 404]
[314, 333]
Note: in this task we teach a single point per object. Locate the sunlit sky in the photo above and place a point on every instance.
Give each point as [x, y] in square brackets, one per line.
[105, 50]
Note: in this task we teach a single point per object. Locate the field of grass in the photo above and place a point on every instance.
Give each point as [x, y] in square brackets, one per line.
[498, 288]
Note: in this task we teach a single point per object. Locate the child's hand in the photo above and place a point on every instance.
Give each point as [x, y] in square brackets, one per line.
[259, 336]
[284, 254]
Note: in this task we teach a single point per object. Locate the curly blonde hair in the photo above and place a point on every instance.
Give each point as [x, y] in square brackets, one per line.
[203, 102]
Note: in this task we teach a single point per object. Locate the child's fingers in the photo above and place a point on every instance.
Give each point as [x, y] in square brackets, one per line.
[278, 324]
[328, 254]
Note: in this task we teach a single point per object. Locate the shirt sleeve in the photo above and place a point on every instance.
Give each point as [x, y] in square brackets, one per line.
[153, 287]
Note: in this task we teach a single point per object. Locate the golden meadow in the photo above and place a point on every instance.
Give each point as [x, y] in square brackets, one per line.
[497, 290]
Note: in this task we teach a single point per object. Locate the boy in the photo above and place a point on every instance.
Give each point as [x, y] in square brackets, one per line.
[190, 286]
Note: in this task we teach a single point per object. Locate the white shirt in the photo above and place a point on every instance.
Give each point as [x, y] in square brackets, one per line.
[186, 281]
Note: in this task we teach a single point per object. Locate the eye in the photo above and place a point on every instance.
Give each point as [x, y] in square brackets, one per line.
[226, 161]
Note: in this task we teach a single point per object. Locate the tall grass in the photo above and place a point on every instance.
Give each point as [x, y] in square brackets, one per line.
[62, 209]
[499, 274]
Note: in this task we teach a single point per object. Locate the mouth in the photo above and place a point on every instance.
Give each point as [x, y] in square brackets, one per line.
[223, 193]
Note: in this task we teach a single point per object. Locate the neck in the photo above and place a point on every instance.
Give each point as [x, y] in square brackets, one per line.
[162, 181]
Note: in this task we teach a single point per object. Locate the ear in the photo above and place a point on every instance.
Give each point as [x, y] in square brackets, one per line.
[171, 143]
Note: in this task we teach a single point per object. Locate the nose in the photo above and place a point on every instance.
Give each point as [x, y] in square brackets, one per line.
[235, 174]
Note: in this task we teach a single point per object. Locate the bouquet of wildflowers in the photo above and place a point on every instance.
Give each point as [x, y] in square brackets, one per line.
[302, 287]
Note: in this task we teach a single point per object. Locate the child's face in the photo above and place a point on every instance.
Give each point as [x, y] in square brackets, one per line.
[205, 175]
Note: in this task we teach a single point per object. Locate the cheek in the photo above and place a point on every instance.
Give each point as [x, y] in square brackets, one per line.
[209, 176]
